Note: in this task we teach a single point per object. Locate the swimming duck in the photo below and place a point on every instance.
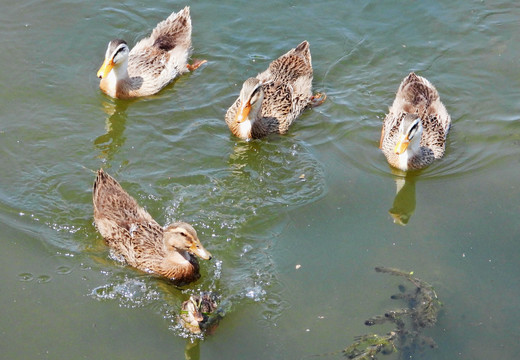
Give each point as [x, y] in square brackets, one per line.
[145, 245]
[152, 63]
[195, 312]
[415, 128]
[269, 102]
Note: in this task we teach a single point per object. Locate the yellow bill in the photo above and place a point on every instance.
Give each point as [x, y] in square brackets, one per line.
[243, 112]
[198, 249]
[107, 66]
[402, 144]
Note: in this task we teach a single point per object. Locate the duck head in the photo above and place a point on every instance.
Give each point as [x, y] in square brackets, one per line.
[182, 237]
[251, 97]
[116, 58]
[409, 137]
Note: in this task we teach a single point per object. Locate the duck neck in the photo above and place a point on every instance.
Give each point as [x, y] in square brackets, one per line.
[413, 150]
[117, 82]
[181, 268]
[179, 257]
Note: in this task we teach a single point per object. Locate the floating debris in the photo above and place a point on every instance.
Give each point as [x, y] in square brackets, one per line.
[367, 346]
[422, 312]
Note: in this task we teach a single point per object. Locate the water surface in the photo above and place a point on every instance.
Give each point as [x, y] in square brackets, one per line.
[293, 255]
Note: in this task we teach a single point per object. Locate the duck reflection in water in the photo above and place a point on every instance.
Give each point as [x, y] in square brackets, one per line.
[244, 153]
[404, 201]
[192, 349]
[110, 142]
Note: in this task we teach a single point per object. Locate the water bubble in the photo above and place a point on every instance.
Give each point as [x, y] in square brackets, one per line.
[218, 269]
[63, 270]
[25, 277]
[247, 248]
[131, 293]
[255, 293]
[42, 279]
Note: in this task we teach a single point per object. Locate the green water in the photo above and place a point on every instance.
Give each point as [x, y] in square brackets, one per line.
[293, 257]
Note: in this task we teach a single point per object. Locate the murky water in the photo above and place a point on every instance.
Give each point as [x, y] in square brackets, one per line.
[293, 255]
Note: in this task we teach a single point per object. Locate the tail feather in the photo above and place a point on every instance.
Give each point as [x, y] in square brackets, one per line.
[418, 94]
[174, 31]
[112, 203]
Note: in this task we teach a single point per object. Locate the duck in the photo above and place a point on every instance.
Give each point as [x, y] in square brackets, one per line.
[416, 127]
[152, 63]
[195, 312]
[271, 101]
[132, 233]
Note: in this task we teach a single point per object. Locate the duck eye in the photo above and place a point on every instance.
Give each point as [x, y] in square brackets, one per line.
[119, 52]
[183, 234]
[413, 129]
[255, 94]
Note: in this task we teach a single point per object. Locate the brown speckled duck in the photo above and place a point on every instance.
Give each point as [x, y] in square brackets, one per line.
[145, 245]
[152, 63]
[415, 128]
[269, 102]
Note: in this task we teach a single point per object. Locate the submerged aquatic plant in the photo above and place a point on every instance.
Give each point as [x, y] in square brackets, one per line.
[422, 311]
[367, 346]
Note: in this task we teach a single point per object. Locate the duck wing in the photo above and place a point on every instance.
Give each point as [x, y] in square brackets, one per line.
[291, 66]
[173, 32]
[156, 60]
[115, 211]
[287, 86]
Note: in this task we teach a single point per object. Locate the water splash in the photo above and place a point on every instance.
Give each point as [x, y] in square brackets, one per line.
[129, 292]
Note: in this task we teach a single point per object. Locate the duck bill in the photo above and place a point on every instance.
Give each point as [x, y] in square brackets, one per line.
[243, 112]
[198, 249]
[402, 144]
[107, 66]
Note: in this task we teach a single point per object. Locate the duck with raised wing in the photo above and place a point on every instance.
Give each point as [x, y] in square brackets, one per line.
[134, 234]
[416, 126]
[196, 311]
[269, 102]
[152, 63]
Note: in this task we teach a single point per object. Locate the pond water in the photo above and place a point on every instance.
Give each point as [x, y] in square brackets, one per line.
[294, 256]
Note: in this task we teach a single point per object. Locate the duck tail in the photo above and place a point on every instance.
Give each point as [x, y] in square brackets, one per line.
[418, 93]
[174, 31]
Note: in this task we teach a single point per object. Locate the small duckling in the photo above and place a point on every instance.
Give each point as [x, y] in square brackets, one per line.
[195, 312]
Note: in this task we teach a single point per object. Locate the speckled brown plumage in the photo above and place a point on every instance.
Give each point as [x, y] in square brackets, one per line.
[416, 97]
[286, 87]
[133, 234]
[153, 62]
